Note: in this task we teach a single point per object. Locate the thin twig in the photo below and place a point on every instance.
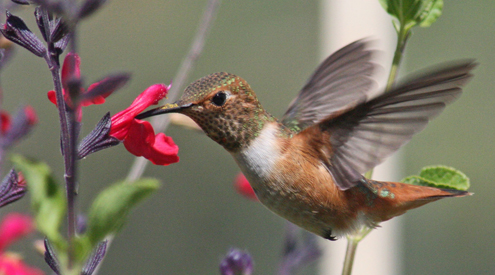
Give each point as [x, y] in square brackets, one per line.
[160, 124]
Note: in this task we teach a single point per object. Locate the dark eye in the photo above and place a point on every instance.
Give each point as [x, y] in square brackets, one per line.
[219, 99]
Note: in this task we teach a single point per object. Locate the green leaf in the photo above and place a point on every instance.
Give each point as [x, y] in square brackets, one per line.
[47, 198]
[440, 177]
[110, 209]
[431, 13]
[410, 13]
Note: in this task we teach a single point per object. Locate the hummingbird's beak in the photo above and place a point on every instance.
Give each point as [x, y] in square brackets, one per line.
[167, 108]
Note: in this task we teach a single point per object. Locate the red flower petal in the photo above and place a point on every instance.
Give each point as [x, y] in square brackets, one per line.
[244, 188]
[164, 151]
[69, 72]
[5, 122]
[31, 115]
[141, 141]
[123, 120]
[13, 227]
[98, 99]
[52, 97]
[13, 265]
[140, 136]
[21, 181]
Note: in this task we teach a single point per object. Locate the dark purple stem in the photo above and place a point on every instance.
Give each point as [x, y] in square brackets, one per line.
[68, 147]
[72, 168]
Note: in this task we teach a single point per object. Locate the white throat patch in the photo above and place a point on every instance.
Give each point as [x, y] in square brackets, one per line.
[258, 160]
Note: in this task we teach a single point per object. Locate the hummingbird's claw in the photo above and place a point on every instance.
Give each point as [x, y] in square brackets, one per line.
[328, 235]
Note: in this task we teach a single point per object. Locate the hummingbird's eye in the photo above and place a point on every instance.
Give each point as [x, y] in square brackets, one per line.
[219, 99]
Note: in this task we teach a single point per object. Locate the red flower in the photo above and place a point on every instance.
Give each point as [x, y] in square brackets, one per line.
[13, 129]
[13, 227]
[5, 122]
[69, 73]
[244, 188]
[32, 118]
[138, 136]
[12, 264]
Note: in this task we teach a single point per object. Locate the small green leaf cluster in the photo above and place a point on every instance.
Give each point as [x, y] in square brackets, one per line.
[440, 177]
[106, 216]
[409, 13]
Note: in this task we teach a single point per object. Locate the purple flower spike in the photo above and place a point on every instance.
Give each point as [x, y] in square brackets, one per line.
[16, 31]
[12, 188]
[236, 262]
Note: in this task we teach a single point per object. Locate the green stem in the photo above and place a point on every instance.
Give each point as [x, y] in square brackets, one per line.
[402, 37]
[353, 240]
[352, 243]
[350, 253]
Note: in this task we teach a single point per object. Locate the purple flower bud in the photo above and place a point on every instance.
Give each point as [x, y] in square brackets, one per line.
[52, 29]
[12, 188]
[60, 30]
[106, 86]
[95, 259]
[98, 139]
[81, 224]
[21, 2]
[21, 125]
[236, 262]
[43, 21]
[51, 258]
[16, 30]
[62, 44]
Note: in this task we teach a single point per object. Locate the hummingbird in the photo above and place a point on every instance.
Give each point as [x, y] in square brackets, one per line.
[308, 167]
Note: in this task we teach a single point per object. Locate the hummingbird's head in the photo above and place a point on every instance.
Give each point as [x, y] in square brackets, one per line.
[223, 105]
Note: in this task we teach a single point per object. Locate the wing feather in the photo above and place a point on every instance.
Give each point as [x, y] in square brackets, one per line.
[363, 136]
[342, 81]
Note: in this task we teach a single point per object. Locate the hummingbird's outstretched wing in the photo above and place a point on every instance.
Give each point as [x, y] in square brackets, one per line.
[362, 137]
[342, 81]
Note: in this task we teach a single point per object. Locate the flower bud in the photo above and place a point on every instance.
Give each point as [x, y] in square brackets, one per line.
[236, 262]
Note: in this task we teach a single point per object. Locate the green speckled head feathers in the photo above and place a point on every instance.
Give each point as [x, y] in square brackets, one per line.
[226, 108]
[204, 86]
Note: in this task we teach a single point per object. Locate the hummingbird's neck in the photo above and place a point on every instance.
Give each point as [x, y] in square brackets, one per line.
[238, 131]
[258, 158]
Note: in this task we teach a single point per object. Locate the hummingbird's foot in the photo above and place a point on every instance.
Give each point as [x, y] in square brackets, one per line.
[328, 235]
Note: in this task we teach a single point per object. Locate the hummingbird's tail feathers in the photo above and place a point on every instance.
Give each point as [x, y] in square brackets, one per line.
[402, 197]
[342, 81]
[455, 193]
[364, 136]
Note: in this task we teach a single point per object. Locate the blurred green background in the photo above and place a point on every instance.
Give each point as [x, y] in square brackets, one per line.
[196, 216]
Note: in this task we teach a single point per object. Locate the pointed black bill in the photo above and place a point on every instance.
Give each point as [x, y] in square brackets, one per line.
[167, 108]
